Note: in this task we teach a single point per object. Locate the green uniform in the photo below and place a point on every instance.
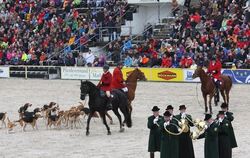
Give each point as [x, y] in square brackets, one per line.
[230, 118]
[225, 150]
[169, 143]
[154, 143]
[211, 147]
[186, 149]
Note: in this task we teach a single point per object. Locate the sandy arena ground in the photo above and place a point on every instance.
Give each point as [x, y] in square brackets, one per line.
[132, 143]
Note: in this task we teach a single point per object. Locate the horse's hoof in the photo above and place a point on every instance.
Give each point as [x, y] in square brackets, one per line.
[87, 133]
[109, 133]
[122, 130]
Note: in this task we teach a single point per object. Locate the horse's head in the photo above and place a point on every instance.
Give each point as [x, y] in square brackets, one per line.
[197, 72]
[84, 89]
[140, 75]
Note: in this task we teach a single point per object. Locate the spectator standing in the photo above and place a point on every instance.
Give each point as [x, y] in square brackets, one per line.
[89, 58]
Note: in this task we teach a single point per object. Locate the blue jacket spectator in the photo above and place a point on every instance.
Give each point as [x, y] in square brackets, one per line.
[127, 45]
[128, 61]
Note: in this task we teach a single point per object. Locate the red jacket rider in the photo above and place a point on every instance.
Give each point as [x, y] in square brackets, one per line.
[106, 80]
[214, 68]
[118, 81]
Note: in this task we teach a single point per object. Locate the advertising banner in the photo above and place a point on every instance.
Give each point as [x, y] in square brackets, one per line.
[4, 72]
[96, 73]
[76, 73]
[188, 73]
[238, 76]
[164, 74]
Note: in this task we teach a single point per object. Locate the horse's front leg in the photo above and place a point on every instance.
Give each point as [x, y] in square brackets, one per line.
[88, 122]
[103, 116]
[205, 101]
[210, 104]
[110, 118]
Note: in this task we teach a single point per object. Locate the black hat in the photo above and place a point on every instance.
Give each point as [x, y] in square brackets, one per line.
[221, 113]
[155, 108]
[224, 105]
[170, 107]
[207, 117]
[167, 113]
[182, 107]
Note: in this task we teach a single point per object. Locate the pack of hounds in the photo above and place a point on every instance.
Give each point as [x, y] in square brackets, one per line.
[51, 114]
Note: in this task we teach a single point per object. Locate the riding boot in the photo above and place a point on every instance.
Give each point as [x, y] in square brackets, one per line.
[109, 104]
[152, 155]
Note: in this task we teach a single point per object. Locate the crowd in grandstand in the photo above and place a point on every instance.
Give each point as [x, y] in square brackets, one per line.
[31, 31]
[218, 28]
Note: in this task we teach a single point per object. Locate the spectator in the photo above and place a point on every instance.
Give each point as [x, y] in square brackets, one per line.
[128, 61]
[127, 44]
[144, 61]
[166, 61]
[89, 58]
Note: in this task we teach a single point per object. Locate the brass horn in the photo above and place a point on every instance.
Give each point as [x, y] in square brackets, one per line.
[182, 127]
[201, 127]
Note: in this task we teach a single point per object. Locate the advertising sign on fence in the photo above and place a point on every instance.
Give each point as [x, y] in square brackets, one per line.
[238, 76]
[75, 73]
[4, 72]
[158, 74]
[188, 73]
[161, 74]
[96, 73]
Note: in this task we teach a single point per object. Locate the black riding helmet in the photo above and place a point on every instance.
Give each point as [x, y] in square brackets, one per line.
[106, 67]
[214, 58]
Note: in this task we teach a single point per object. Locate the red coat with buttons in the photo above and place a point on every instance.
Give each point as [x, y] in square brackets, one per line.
[105, 82]
[117, 81]
[215, 69]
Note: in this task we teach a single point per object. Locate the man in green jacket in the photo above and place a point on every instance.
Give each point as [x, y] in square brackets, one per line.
[186, 149]
[169, 141]
[211, 147]
[225, 150]
[154, 142]
[229, 116]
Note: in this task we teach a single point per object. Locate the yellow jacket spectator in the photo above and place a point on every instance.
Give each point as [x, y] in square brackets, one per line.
[72, 40]
[24, 57]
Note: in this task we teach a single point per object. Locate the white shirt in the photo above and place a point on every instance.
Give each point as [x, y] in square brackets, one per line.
[90, 58]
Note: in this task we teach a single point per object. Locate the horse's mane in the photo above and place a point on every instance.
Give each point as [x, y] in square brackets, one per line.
[92, 85]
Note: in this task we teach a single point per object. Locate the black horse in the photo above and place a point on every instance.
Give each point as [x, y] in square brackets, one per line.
[99, 103]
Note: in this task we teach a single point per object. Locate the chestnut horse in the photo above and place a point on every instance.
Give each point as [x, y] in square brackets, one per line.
[208, 87]
[131, 83]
